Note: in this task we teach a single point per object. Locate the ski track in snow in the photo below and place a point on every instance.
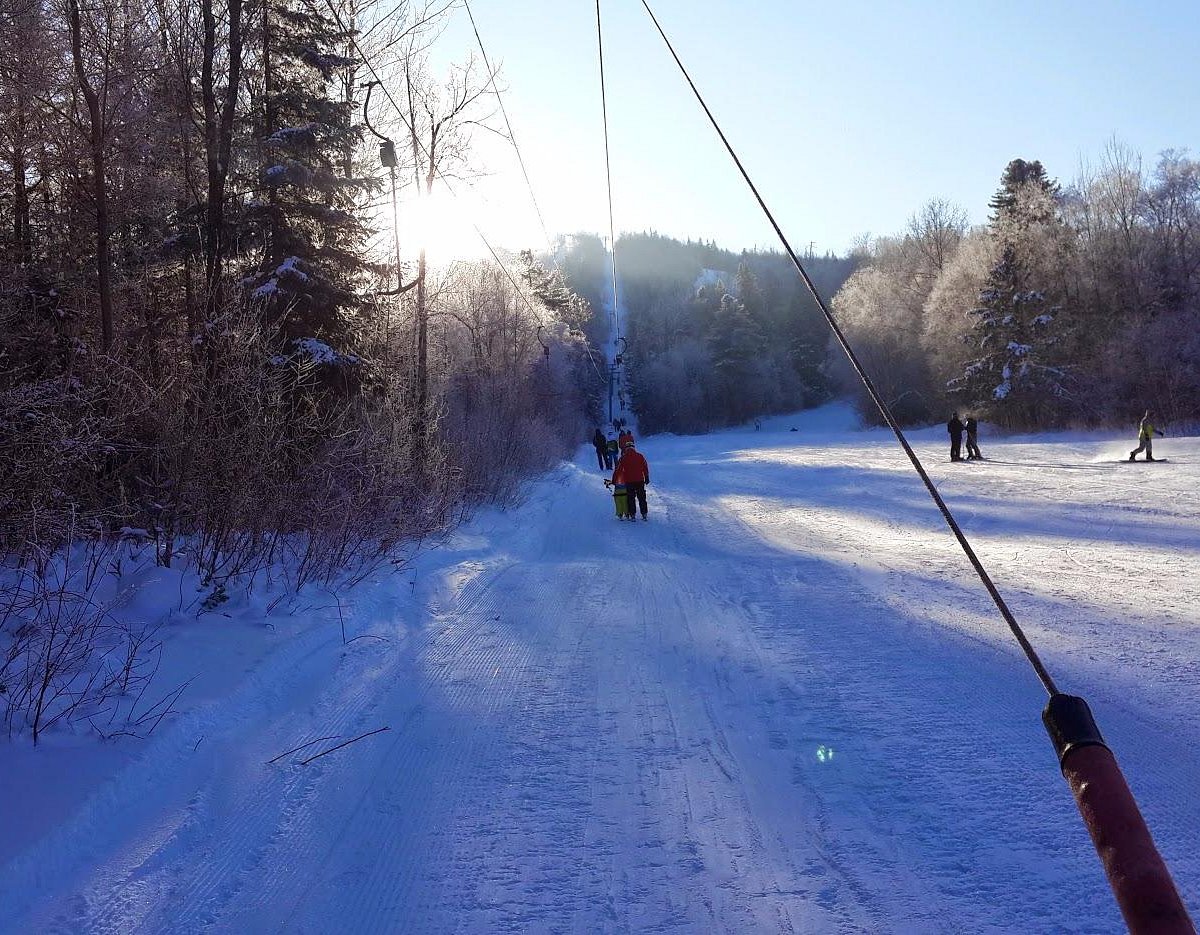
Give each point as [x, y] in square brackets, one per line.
[783, 705]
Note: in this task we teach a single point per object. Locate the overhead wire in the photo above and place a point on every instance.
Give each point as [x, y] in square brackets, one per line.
[1027, 647]
[512, 137]
[612, 232]
[612, 236]
[425, 152]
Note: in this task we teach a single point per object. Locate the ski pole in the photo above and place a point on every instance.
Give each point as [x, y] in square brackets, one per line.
[1139, 878]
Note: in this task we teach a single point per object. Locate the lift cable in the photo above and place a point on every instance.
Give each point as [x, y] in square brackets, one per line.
[1042, 674]
[512, 137]
[1137, 874]
[612, 235]
[420, 145]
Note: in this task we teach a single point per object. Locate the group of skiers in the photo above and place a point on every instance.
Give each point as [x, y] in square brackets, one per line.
[956, 427]
[630, 471]
[617, 452]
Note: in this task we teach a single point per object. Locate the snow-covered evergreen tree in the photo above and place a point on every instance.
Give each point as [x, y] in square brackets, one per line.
[311, 265]
[748, 291]
[1013, 378]
[737, 345]
[549, 288]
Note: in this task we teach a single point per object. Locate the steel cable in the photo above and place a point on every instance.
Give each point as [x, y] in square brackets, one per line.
[1030, 654]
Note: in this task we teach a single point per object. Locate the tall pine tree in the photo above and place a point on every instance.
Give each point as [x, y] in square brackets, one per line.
[311, 268]
[736, 343]
[1013, 378]
[1020, 175]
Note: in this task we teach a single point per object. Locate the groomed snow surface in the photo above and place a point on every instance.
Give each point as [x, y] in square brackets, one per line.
[783, 704]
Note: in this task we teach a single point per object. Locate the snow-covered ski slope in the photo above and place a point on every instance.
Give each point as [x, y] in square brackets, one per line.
[782, 705]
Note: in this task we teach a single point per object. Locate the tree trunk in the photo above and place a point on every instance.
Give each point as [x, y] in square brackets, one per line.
[422, 345]
[218, 141]
[99, 187]
[271, 258]
[425, 186]
[21, 235]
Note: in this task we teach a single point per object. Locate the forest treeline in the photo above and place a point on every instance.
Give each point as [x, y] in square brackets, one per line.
[1076, 304]
[205, 332]
[211, 348]
[715, 337]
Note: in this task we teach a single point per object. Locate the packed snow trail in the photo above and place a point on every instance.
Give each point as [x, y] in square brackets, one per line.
[781, 705]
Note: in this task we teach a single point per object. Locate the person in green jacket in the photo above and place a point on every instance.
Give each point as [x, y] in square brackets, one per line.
[1146, 433]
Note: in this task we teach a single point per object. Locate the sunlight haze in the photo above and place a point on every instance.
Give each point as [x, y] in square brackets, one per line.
[849, 117]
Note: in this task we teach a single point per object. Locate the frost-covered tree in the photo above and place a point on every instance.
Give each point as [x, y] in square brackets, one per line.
[552, 292]
[944, 338]
[882, 318]
[1012, 377]
[737, 345]
[748, 292]
[1172, 214]
[935, 232]
[1020, 175]
[882, 309]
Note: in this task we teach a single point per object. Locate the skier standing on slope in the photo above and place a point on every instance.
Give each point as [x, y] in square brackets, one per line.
[972, 428]
[955, 428]
[600, 443]
[1146, 433]
[633, 471]
[625, 439]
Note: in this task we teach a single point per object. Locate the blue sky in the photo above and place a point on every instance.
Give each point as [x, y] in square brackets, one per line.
[849, 115]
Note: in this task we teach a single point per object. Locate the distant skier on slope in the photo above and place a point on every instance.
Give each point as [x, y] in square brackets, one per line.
[625, 439]
[633, 471]
[955, 428]
[1146, 433]
[600, 443]
[972, 427]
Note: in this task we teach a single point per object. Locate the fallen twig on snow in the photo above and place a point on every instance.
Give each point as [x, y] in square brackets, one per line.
[302, 746]
[367, 636]
[377, 730]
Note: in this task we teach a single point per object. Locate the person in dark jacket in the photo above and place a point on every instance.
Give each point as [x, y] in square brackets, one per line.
[972, 428]
[955, 428]
[611, 452]
[600, 443]
[1146, 433]
[633, 471]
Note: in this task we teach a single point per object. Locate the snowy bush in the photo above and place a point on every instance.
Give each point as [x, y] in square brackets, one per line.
[65, 658]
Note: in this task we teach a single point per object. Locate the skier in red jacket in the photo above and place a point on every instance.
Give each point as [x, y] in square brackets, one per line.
[633, 471]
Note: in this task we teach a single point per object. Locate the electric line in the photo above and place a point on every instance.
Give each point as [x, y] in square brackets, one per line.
[421, 146]
[511, 135]
[612, 235]
[1026, 646]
